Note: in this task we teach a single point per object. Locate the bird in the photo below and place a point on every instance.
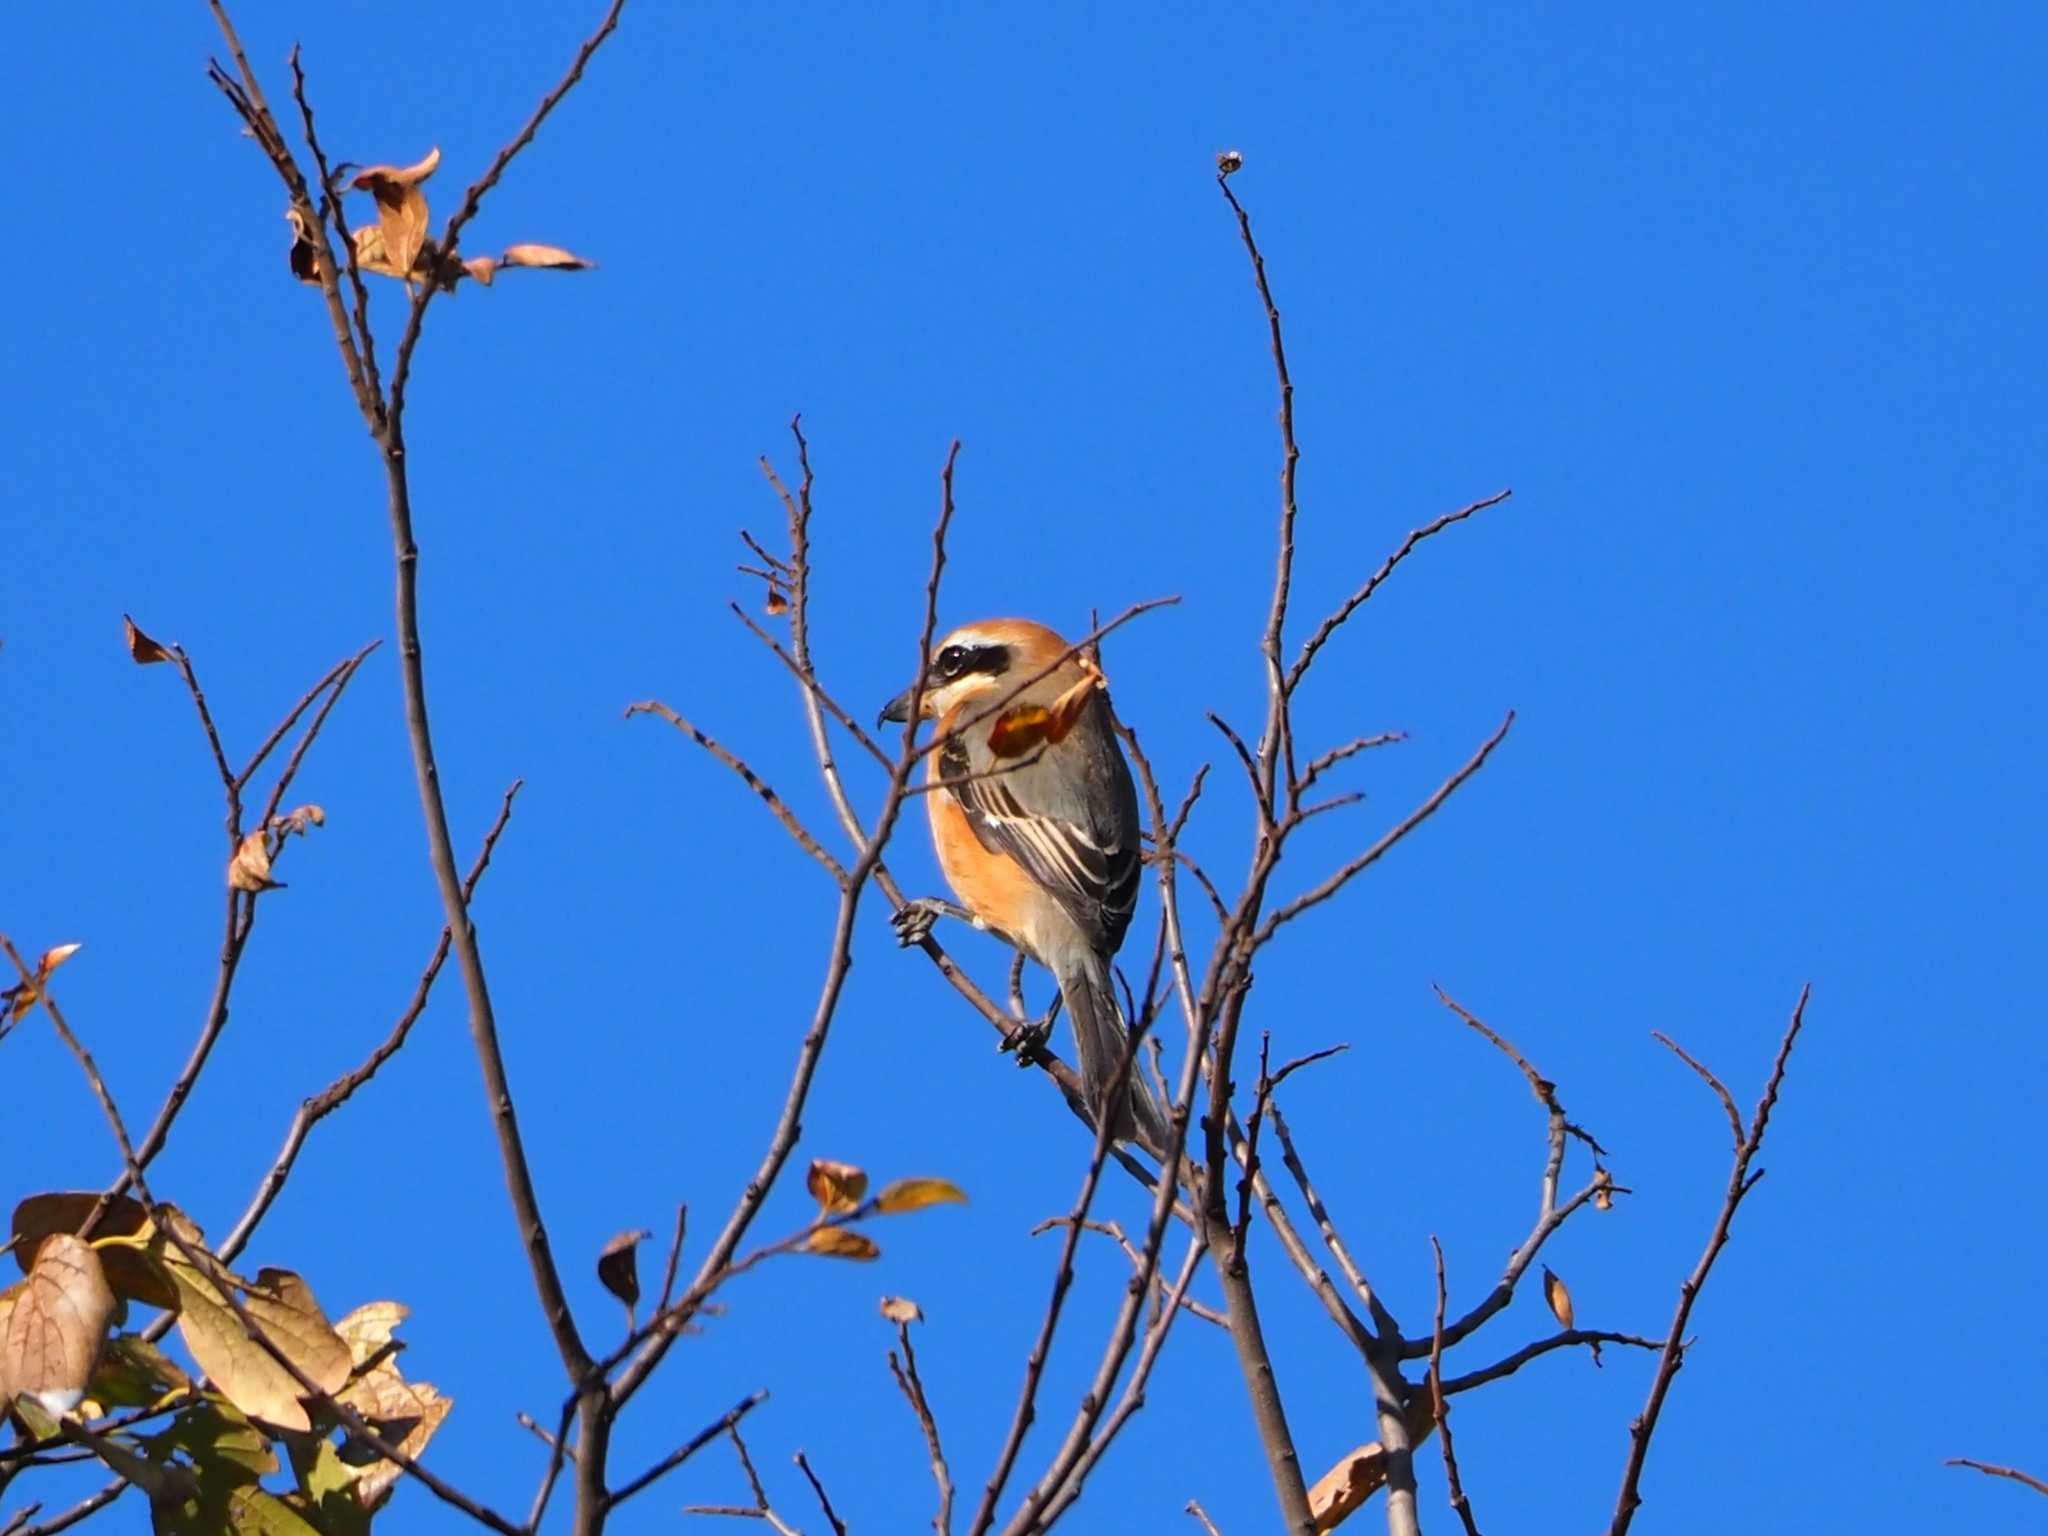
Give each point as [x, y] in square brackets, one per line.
[1034, 818]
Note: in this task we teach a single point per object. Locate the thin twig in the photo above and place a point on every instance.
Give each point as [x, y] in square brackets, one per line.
[317, 1108]
[1459, 1502]
[1415, 818]
[1194, 1507]
[912, 1386]
[831, 1515]
[1740, 1182]
[1351, 604]
[775, 803]
[1990, 1470]
[688, 1448]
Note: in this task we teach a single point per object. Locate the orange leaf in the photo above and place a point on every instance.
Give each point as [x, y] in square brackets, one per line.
[842, 1243]
[140, 647]
[835, 1186]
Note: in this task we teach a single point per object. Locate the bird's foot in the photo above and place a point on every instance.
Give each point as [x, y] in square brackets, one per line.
[914, 919]
[1028, 1040]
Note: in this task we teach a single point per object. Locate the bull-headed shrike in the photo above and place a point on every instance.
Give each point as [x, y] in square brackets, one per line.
[1035, 820]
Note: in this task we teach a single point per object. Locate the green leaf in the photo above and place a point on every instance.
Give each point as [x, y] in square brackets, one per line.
[216, 1436]
[329, 1485]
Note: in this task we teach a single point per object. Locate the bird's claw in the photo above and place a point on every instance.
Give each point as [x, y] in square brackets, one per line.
[914, 919]
[1027, 1040]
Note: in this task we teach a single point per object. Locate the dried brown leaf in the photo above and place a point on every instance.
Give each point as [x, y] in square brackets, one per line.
[835, 1186]
[842, 1243]
[482, 268]
[369, 1328]
[1559, 1298]
[401, 211]
[1229, 163]
[407, 1412]
[249, 869]
[299, 820]
[304, 258]
[618, 1266]
[141, 649]
[1342, 1491]
[240, 1367]
[528, 255]
[372, 255]
[283, 1305]
[901, 1309]
[915, 1194]
[777, 603]
[57, 1325]
[131, 1272]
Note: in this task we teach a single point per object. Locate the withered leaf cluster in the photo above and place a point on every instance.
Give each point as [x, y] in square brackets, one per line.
[271, 1371]
[398, 244]
[841, 1191]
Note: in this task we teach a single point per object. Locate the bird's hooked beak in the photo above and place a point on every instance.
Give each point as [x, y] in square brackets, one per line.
[897, 710]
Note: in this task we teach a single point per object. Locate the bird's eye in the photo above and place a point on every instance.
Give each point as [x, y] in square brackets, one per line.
[951, 659]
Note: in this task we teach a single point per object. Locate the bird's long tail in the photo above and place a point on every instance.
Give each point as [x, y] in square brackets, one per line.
[1102, 1041]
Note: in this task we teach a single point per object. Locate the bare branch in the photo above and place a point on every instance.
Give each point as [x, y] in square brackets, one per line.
[337, 1093]
[1041, 1347]
[912, 1387]
[775, 803]
[1459, 1503]
[831, 1515]
[1990, 1470]
[1720, 1088]
[1324, 762]
[1740, 1183]
[1201, 1514]
[451, 236]
[688, 1448]
[1351, 604]
[1569, 1338]
[1372, 855]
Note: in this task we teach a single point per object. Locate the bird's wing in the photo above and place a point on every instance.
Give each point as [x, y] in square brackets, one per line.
[1069, 816]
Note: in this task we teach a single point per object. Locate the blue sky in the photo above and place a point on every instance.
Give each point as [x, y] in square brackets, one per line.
[1746, 307]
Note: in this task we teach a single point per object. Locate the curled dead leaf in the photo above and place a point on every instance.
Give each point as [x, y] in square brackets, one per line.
[777, 603]
[835, 1186]
[57, 1325]
[842, 1243]
[482, 268]
[1603, 1190]
[551, 256]
[401, 211]
[901, 1309]
[618, 1266]
[141, 649]
[249, 869]
[52, 958]
[299, 820]
[915, 1194]
[1559, 1298]
[1229, 163]
[304, 257]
